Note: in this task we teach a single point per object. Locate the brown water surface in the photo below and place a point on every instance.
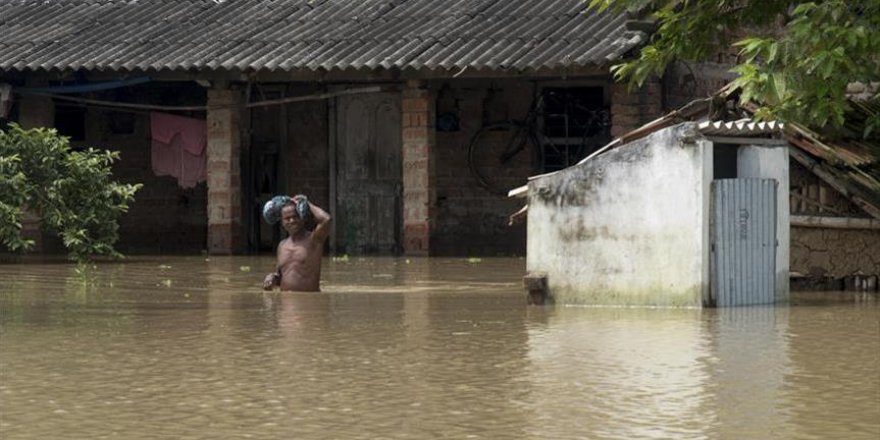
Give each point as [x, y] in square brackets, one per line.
[191, 348]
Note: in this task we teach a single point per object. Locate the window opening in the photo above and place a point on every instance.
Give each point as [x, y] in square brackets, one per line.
[724, 161]
[561, 127]
[70, 121]
[574, 123]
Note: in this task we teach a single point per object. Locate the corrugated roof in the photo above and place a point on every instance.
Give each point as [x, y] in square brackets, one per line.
[846, 160]
[287, 35]
[846, 155]
[741, 128]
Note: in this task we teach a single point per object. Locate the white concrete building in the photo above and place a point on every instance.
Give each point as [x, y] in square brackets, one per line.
[692, 215]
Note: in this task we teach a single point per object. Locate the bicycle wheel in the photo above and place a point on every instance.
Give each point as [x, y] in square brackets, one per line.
[496, 159]
[596, 133]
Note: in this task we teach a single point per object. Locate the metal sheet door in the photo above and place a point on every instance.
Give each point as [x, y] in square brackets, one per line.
[368, 174]
[743, 241]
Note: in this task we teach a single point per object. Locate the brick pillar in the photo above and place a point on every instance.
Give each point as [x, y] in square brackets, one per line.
[631, 110]
[224, 172]
[417, 124]
[35, 112]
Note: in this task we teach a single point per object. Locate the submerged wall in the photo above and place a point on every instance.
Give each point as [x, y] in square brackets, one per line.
[629, 227]
[835, 253]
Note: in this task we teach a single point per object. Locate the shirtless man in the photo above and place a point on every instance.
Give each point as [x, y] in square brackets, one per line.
[299, 255]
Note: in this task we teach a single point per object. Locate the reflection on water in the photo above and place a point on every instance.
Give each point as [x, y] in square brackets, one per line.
[395, 348]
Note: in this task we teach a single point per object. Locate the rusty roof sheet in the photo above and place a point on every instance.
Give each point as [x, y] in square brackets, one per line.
[287, 35]
[850, 159]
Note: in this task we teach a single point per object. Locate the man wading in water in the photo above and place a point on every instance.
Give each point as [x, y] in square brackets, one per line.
[299, 255]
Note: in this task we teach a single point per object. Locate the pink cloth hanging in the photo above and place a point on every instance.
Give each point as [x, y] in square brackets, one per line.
[178, 148]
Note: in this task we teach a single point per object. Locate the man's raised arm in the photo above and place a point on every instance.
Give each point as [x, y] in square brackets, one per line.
[323, 219]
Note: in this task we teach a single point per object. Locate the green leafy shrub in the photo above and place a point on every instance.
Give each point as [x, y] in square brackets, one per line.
[72, 191]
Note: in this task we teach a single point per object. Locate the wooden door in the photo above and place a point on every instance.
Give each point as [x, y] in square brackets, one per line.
[368, 178]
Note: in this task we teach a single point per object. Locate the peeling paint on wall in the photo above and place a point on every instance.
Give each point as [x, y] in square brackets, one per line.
[627, 227]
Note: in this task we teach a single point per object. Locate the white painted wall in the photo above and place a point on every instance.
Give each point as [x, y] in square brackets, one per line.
[629, 227]
[771, 162]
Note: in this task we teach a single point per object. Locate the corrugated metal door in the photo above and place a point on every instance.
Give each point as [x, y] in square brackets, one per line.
[369, 174]
[743, 241]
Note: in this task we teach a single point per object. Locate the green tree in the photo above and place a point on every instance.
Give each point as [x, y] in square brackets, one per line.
[795, 58]
[72, 191]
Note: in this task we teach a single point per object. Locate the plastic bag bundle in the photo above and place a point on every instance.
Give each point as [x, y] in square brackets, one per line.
[272, 208]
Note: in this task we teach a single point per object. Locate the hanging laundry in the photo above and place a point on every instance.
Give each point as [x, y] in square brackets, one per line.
[178, 148]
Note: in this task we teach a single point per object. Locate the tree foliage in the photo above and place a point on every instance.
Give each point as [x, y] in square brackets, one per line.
[72, 191]
[795, 60]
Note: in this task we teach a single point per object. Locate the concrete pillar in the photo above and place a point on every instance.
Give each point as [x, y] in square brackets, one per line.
[35, 112]
[765, 162]
[632, 109]
[224, 171]
[417, 124]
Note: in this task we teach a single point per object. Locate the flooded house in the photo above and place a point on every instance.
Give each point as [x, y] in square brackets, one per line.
[690, 214]
[408, 119]
[707, 214]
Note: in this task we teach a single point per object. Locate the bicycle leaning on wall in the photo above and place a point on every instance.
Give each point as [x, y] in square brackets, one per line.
[551, 140]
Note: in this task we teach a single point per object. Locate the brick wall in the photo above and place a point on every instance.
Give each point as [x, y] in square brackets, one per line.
[444, 206]
[417, 128]
[632, 109]
[684, 83]
[307, 161]
[471, 221]
[164, 218]
[224, 171]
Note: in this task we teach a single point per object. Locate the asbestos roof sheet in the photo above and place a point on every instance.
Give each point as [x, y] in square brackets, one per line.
[743, 128]
[287, 35]
[845, 156]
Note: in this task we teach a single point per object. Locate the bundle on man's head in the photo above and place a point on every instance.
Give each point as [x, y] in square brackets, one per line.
[272, 208]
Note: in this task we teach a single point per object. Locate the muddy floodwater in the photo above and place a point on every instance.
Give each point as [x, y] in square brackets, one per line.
[191, 348]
